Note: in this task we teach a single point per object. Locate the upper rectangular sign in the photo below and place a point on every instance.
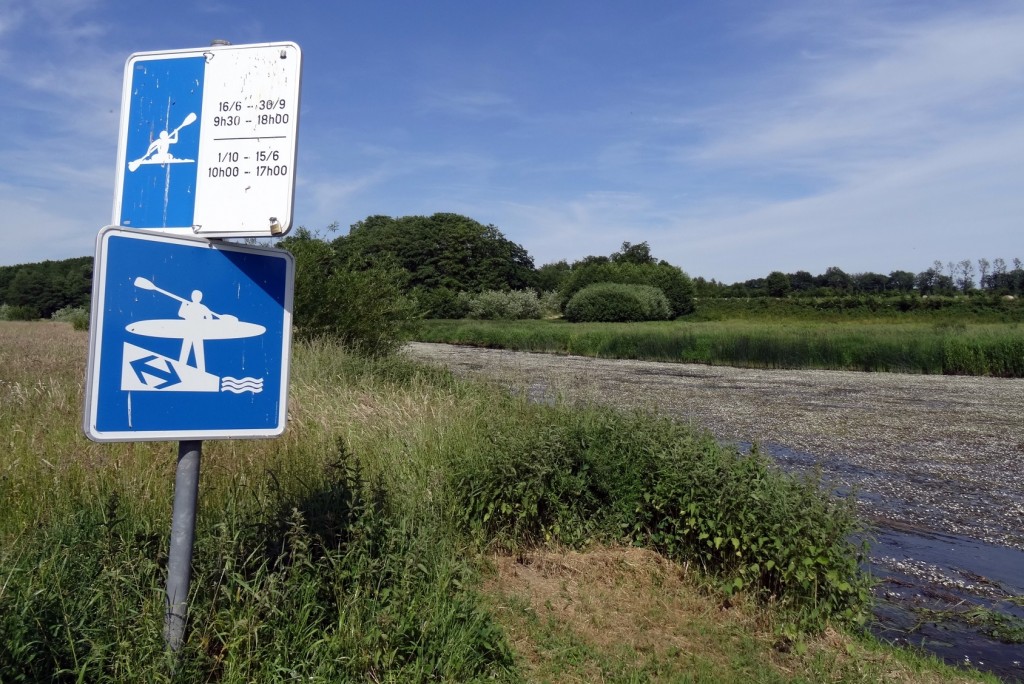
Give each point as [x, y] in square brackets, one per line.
[208, 140]
[189, 338]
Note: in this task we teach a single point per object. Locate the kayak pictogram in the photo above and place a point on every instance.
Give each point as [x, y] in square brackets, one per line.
[147, 370]
[159, 151]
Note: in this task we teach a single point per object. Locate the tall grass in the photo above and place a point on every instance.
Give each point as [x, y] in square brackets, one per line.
[931, 348]
[344, 550]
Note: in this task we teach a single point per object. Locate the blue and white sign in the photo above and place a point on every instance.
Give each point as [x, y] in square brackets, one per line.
[189, 339]
[208, 140]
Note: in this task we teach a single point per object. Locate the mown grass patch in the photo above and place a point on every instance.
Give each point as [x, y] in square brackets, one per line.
[630, 615]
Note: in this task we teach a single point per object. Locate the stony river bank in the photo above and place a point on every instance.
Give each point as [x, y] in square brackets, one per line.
[936, 462]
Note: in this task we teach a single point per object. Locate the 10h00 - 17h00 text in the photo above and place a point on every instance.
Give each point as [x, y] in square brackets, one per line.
[269, 169]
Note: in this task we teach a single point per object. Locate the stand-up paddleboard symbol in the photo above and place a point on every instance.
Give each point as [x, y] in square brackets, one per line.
[159, 151]
[196, 323]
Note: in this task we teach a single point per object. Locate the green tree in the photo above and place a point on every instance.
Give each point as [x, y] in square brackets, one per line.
[869, 283]
[900, 281]
[442, 250]
[550, 276]
[634, 254]
[801, 281]
[362, 304]
[47, 286]
[777, 284]
[836, 279]
[677, 286]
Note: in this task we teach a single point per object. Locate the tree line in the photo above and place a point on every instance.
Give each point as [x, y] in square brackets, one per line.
[435, 265]
[952, 278]
[39, 290]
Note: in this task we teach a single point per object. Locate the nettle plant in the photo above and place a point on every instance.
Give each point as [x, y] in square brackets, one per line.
[574, 477]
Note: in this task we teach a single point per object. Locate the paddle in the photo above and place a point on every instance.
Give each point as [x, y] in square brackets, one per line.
[138, 162]
[147, 284]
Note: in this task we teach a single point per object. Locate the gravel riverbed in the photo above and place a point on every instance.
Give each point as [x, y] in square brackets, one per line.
[940, 453]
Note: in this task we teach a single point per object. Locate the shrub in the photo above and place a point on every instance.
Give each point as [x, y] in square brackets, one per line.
[615, 302]
[504, 305]
[578, 476]
[77, 316]
[551, 303]
[362, 305]
[9, 312]
[440, 302]
[672, 281]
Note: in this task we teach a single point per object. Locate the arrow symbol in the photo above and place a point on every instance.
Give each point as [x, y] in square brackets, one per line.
[168, 374]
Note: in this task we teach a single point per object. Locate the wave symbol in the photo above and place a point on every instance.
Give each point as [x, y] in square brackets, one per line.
[239, 385]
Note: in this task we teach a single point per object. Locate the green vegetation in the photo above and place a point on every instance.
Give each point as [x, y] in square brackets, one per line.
[865, 308]
[994, 277]
[615, 302]
[634, 265]
[363, 307]
[77, 316]
[32, 291]
[503, 305]
[932, 348]
[442, 250]
[351, 548]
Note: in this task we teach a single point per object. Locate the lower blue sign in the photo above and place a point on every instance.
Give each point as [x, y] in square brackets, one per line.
[189, 339]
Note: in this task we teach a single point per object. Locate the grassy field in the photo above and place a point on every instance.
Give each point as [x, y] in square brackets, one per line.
[411, 527]
[952, 348]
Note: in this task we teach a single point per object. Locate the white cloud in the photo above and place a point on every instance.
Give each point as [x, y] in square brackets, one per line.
[900, 146]
[907, 89]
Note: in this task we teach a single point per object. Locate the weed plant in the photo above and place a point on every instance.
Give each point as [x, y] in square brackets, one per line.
[575, 477]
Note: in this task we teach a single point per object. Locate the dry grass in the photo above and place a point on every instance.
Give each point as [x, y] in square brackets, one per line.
[627, 614]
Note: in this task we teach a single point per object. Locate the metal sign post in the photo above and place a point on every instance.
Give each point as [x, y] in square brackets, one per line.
[183, 530]
[189, 340]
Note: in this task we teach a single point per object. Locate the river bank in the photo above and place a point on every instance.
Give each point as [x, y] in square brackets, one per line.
[930, 456]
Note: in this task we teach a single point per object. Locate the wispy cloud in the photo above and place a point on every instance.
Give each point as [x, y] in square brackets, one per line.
[469, 104]
[907, 89]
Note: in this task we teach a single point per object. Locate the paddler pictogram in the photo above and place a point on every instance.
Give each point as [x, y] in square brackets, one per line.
[196, 324]
[159, 151]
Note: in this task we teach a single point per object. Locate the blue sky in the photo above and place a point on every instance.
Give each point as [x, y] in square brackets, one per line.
[737, 138]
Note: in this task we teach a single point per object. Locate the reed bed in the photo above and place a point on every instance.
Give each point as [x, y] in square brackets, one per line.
[987, 349]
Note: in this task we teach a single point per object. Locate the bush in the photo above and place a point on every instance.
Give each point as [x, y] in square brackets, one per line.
[551, 303]
[575, 477]
[502, 305]
[77, 316]
[440, 302]
[618, 303]
[672, 281]
[361, 305]
[18, 313]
